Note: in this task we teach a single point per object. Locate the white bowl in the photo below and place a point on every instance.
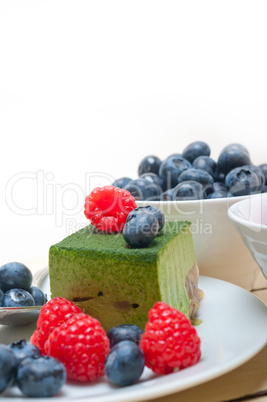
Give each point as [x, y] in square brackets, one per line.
[219, 249]
[249, 217]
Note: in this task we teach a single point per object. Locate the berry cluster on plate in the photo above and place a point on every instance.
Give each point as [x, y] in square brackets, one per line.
[69, 344]
[169, 343]
[194, 175]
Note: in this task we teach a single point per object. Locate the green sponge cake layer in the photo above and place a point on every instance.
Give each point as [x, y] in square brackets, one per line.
[117, 284]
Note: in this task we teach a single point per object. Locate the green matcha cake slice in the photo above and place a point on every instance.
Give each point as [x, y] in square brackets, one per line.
[117, 284]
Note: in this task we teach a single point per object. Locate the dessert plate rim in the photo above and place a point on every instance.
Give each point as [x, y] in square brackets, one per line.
[226, 312]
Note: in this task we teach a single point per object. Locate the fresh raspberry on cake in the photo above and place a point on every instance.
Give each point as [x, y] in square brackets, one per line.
[81, 345]
[108, 207]
[170, 342]
[52, 315]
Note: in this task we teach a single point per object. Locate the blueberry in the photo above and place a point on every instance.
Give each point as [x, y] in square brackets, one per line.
[142, 189]
[188, 190]
[206, 163]
[124, 332]
[259, 173]
[140, 229]
[242, 181]
[156, 185]
[151, 209]
[220, 177]
[195, 149]
[23, 349]
[8, 367]
[167, 195]
[125, 363]
[41, 377]
[122, 182]
[264, 171]
[241, 147]
[174, 156]
[217, 186]
[1, 297]
[171, 169]
[39, 297]
[18, 298]
[232, 157]
[150, 164]
[219, 194]
[15, 275]
[201, 176]
[154, 179]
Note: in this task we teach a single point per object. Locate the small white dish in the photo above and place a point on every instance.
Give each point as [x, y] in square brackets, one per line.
[227, 313]
[249, 217]
[19, 315]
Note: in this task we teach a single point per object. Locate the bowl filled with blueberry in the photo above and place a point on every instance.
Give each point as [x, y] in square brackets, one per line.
[193, 186]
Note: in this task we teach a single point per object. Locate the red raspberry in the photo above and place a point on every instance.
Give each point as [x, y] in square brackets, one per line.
[81, 345]
[170, 342]
[52, 314]
[108, 207]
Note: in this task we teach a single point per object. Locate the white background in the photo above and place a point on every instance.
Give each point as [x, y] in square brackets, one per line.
[88, 88]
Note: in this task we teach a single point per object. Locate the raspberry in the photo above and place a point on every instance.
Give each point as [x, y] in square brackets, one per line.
[108, 207]
[81, 345]
[169, 342]
[52, 314]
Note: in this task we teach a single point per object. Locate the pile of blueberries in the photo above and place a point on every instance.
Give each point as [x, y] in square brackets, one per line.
[16, 289]
[23, 365]
[125, 363]
[194, 175]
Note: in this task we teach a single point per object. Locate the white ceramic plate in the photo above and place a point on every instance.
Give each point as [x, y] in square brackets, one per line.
[233, 330]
